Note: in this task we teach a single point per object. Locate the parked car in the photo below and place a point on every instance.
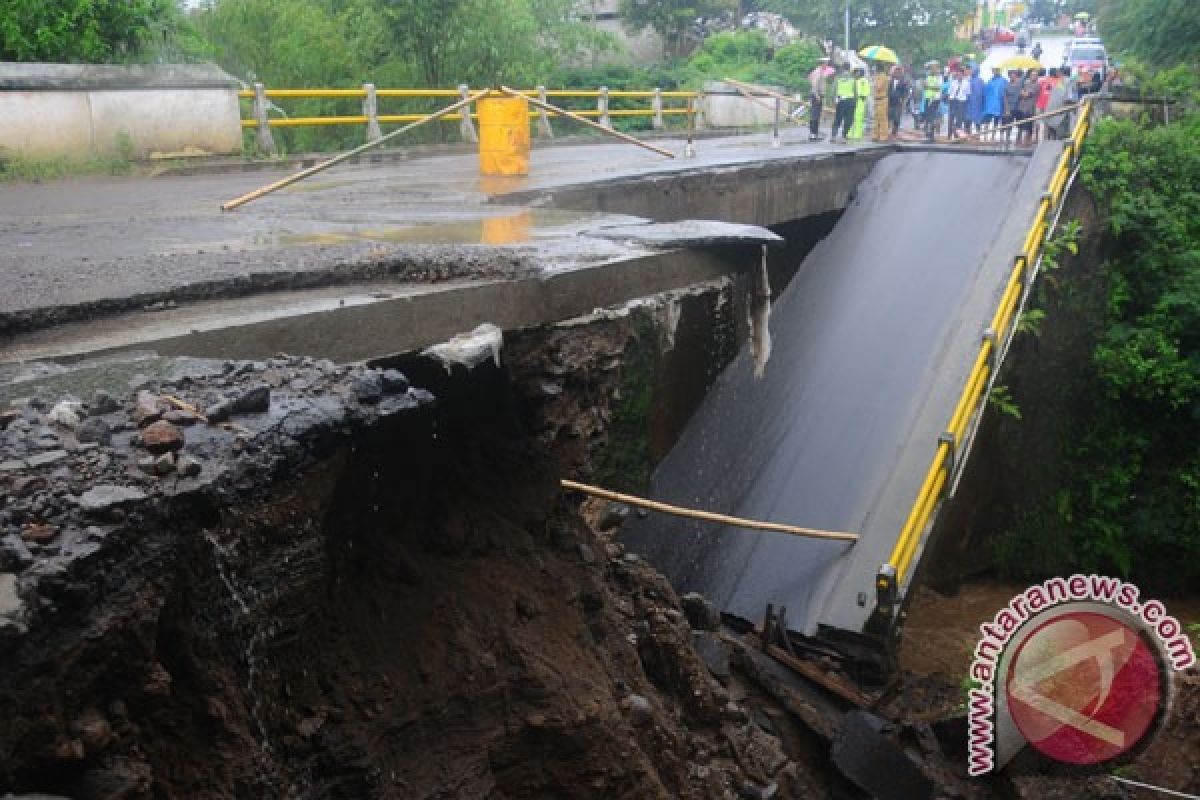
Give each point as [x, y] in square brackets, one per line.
[1004, 36]
[1086, 57]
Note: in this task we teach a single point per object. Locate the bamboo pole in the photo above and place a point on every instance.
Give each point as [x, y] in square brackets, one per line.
[708, 516]
[754, 87]
[324, 165]
[616, 134]
[1035, 118]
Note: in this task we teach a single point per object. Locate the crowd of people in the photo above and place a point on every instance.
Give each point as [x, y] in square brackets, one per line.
[955, 101]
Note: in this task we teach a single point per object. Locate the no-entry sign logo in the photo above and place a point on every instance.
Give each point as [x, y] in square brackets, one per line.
[1084, 687]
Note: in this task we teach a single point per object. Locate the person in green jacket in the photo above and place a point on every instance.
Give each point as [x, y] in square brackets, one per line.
[862, 91]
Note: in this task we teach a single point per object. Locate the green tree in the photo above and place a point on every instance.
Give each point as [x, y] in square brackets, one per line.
[83, 31]
[1161, 32]
[913, 28]
[671, 19]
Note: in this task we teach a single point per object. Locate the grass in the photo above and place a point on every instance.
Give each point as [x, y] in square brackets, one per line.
[22, 168]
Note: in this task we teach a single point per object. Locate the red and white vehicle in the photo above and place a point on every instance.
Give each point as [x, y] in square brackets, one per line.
[1086, 57]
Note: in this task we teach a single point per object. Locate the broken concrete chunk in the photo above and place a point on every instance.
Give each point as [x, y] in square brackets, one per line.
[702, 615]
[146, 409]
[67, 414]
[254, 400]
[469, 349]
[714, 652]
[162, 437]
[394, 381]
[46, 458]
[94, 429]
[103, 497]
[367, 387]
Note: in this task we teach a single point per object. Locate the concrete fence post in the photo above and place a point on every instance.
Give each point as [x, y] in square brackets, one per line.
[371, 112]
[544, 128]
[602, 107]
[466, 126]
[657, 105]
[262, 135]
[701, 102]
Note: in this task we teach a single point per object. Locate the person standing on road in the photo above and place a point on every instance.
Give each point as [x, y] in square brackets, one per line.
[993, 99]
[933, 99]
[960, 91]
[881, 126]
[862, 93]
[1012, 96]
[843, 112]
[816, 99]
[897, 94]
[1027, 107]
[975, 102]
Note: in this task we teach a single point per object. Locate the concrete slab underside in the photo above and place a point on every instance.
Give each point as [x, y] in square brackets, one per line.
[872, 342]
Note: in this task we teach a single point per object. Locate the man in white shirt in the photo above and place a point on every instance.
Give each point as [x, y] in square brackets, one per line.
[960, 90]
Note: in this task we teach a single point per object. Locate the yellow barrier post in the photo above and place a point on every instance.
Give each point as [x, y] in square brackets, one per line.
[503, 135]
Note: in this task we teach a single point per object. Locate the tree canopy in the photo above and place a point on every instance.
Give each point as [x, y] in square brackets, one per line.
[1160, 32]
[82, 31]
[913, 28]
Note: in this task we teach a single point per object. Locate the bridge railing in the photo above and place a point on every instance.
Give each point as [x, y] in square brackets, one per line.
[656, 105]
[894, 574]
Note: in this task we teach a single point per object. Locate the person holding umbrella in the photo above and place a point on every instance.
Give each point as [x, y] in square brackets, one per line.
[882, 56]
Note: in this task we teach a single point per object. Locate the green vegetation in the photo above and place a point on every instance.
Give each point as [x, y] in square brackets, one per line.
[916, 29]
[87, 31]
[671, 18]
[119, 162]
[1161, 33]
[1128, 499]
[747, 56]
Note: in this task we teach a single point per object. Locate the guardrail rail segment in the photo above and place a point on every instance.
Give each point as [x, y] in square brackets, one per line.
[895, 573]
[656, 110]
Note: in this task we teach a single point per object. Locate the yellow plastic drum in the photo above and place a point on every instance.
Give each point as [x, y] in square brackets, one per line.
[503, 136]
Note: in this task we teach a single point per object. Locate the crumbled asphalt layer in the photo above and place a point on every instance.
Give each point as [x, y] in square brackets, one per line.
[231, 275]
[75, 472]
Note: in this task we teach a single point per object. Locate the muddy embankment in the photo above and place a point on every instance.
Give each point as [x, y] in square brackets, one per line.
[366, 589]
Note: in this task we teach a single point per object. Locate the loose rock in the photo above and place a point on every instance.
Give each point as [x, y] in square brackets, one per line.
[367, 387]
[102, 497]
[94, 429]
[394, 381]
[146, 409]
[255, 400]
[162, 437]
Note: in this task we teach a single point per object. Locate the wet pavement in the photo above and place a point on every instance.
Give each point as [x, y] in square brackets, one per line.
[91, 241]
[871, 343]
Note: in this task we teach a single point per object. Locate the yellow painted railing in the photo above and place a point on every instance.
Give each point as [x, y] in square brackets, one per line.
[656, 110]
[893, 573]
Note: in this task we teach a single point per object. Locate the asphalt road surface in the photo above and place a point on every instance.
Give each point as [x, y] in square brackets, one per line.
[872, 341]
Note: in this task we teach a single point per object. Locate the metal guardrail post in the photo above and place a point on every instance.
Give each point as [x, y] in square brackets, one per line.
[602, 107]
[262, 135]
[370, 108]
[544, 128]
[657, 105]
[701, 100]
[466, 126]
[775, 126]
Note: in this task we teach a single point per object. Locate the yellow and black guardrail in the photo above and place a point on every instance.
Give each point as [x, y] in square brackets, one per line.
[896, 571]
[660, 104]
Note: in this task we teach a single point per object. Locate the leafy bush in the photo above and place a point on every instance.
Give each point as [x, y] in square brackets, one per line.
[748, 56]
[1129, 499]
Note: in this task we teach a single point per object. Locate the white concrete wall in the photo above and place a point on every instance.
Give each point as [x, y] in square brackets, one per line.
[725, 108]
[53, 114]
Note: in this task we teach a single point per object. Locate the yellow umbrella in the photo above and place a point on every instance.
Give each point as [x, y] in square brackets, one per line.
[878, 52]
[1020, 62]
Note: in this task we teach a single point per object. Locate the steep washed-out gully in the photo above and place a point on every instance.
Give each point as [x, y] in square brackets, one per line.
[294, 577]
